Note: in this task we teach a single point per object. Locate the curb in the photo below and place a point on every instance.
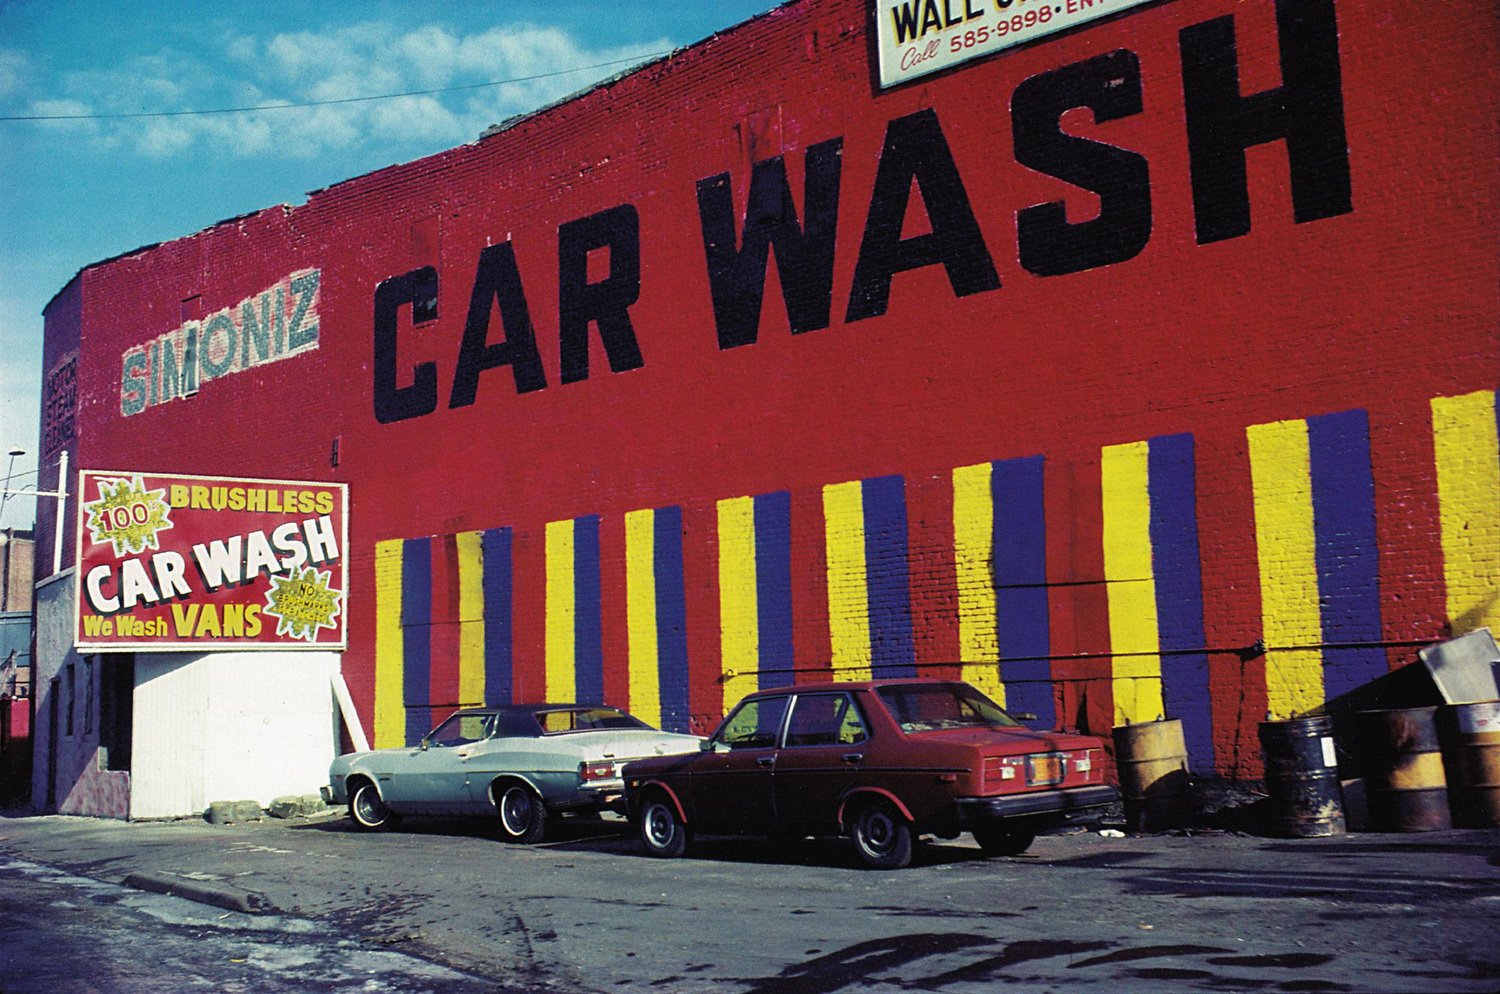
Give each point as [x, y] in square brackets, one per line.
[204, 892]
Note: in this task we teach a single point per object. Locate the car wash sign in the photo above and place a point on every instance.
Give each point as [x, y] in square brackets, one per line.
[193, 562]
[918, 37]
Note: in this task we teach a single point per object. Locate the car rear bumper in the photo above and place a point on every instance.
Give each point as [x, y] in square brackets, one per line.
[1073, 806]
[605, 795]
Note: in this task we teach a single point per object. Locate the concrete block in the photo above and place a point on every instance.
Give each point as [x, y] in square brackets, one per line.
[229, 812]
[296, 806]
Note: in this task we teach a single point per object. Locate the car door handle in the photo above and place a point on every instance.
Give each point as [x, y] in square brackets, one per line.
[464, 754]
[766, 761]
[853, 757]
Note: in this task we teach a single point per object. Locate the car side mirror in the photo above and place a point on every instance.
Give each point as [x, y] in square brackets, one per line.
[707, 745]
[422, 745]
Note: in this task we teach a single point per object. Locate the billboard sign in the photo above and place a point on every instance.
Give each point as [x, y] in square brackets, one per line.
[918, 37]
[195, 562]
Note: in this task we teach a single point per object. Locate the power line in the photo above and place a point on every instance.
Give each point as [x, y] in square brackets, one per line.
[326, 103]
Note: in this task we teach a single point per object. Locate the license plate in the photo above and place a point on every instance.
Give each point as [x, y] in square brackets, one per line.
[1044, 769]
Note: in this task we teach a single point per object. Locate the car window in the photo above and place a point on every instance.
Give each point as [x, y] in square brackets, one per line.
[754, 724]
[516, 724]
[585, 719]
[824, 719]
[921, 707]
[460, 729]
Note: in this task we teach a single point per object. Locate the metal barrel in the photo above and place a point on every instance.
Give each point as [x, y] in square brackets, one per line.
[1405, 786]
[1470, 737]
[1154, 780]
[1302, 776]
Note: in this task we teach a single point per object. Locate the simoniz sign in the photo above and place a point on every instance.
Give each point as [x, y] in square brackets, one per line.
[918, 37]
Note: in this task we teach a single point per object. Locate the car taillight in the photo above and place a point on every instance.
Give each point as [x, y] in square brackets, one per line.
[590, 772]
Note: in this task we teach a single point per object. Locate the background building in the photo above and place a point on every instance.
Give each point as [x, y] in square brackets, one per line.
[17, 551]
[1144, 368]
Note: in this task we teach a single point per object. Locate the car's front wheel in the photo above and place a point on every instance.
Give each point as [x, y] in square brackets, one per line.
[997, 841]
[662, 833]
[523, 817]
[368, 811]
[882, 837]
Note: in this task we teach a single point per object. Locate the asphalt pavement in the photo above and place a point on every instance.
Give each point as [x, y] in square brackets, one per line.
[444, 906]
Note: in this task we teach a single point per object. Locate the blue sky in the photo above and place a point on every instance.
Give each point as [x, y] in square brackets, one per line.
[90, 184]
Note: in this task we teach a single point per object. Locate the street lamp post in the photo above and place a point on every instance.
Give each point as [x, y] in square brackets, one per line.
[61, 493]
[15, 450]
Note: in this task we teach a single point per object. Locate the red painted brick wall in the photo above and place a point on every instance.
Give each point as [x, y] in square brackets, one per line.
[1379, 307]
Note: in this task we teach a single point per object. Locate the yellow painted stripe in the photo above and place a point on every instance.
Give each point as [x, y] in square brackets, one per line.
[1131, 583]
[640, 615]
[390, 657]
[1468, 474]
[848, 597]
[561, 641]
[739, 603]
[470, 618]
[974, 555]
[1281, 476]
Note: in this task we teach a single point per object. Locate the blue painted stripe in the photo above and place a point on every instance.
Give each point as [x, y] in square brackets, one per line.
[1343, 493]
[416, 636]
[495, 552]
[588, 623]
[888, 588]
[773, 587]
[1021, 606]
[1177, 568]
[671, 620]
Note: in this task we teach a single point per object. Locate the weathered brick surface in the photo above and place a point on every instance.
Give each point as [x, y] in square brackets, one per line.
[1383, 307]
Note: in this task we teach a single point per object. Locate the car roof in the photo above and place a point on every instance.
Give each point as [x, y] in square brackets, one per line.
[827, 685]
[536, 708]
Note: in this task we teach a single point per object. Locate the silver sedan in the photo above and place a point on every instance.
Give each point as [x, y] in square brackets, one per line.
[524, 762]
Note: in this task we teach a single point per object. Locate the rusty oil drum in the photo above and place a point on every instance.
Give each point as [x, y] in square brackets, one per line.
[1154, 781]
[1470, 737]
[1302, 776]
[1405, 785]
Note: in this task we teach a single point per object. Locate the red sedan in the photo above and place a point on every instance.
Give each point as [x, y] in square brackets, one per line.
[881, 761]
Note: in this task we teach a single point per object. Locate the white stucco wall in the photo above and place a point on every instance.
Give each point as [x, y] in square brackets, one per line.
[72, 760]
[230, 726]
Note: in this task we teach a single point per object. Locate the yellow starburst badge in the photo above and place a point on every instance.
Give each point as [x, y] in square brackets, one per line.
[303, 603]
[128, 515]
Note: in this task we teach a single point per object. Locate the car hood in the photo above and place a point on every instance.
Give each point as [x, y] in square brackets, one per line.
[349, 759]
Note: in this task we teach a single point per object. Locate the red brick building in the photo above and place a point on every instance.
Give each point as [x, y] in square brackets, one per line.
[1144, 368]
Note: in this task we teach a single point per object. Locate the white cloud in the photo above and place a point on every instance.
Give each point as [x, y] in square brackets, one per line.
[61, 108]
[412, 119]
[14, 68]
[161, 138]
[350, 61]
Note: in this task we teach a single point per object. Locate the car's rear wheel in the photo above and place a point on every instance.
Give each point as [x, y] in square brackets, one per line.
[662, 833]
[523, 816]
[882, 837]
[998, 841]
[368, 811]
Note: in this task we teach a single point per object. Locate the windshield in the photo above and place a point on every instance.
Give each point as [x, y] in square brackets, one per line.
[585, 720]
[922, 707]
